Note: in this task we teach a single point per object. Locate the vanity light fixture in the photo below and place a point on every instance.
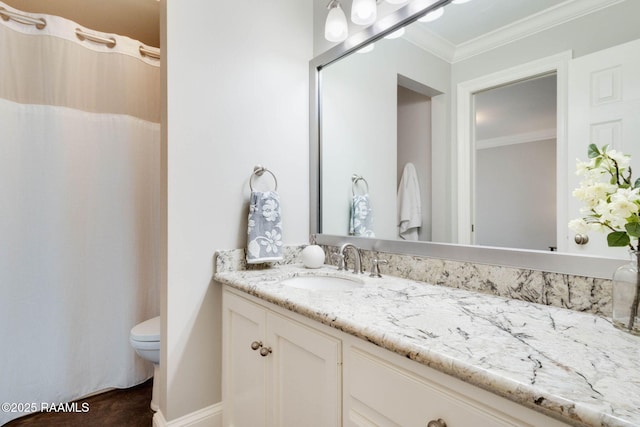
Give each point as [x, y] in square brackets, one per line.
[335, 28]
[433, 15]
[364, 12]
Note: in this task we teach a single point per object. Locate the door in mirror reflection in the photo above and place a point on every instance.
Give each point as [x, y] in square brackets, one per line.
[514, 202]
[604, 109]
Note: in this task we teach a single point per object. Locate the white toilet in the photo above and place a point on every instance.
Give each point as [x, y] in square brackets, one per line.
[145, 340]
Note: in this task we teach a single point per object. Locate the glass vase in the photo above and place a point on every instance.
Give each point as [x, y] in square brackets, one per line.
[626, 295]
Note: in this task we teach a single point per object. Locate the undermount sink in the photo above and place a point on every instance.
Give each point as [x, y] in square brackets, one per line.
[323, 283]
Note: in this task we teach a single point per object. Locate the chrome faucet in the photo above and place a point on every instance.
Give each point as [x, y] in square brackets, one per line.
[357, 262]
[375, 267]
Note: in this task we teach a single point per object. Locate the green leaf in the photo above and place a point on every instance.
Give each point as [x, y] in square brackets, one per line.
[598, 162]
[618, 238]
[633, 228]
[637, 183]
[593, 151]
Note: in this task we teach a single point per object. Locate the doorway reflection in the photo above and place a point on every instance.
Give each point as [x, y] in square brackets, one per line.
[515, 165]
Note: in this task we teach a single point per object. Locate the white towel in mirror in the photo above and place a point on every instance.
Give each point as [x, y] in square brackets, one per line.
[409, 204]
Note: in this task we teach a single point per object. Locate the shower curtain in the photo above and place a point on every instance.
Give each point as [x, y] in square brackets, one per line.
[79, 210]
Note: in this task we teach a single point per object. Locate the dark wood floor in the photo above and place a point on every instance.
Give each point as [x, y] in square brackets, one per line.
[118, 408]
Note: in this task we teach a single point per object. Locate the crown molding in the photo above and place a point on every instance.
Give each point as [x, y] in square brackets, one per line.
[548, 18]
[536, 23]
[425, 39]
[520, 138]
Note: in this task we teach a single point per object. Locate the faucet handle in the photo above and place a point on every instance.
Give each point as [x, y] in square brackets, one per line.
[375, 267]
[340, 259]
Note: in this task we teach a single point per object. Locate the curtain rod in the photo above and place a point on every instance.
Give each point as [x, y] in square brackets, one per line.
[39, 23]
[110, 42]
[151, 53]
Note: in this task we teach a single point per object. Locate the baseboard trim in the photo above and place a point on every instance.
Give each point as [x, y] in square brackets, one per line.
[211, 416]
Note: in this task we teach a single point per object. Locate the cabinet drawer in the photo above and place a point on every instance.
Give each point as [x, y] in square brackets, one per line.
[382, 393]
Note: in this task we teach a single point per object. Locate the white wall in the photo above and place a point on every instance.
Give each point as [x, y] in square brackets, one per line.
[359, 128]
[359, 136]
[237, 96]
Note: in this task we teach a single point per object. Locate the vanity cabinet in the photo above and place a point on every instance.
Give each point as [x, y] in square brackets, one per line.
[276, 370]
[283, 369]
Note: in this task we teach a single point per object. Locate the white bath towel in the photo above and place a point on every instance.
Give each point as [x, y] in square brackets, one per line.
[409, 204]
[264, 234]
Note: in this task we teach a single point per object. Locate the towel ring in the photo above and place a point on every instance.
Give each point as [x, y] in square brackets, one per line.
[354, 182]
[258, 170]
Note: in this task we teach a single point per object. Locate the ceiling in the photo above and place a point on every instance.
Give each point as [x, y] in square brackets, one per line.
[138, 19]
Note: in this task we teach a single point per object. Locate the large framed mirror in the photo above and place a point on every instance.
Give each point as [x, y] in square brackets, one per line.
[476, 118]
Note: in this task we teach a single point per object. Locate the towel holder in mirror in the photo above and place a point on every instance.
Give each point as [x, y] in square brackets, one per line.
[355, 178]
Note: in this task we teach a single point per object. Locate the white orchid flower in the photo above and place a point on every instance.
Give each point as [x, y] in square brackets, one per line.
[579, 225]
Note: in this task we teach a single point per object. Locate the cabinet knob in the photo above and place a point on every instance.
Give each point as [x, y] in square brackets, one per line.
[437, 423]
[265, 351]
[256, 345]
[581, 239]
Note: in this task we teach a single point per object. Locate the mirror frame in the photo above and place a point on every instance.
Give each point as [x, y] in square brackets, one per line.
[553, 262]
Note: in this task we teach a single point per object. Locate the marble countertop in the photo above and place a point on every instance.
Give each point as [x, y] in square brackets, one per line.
[574, 366]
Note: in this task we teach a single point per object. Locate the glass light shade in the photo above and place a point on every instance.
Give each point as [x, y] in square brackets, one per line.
[396, 1]
[364, 12]
[397, 33]
[433, 15]
[335, 28]
[459, 1]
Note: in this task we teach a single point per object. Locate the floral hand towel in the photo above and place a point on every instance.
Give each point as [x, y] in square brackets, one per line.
[264, 242]
[361, 221]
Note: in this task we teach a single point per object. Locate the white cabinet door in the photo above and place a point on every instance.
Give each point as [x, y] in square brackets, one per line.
[291, 379]
[305, 375]
[244, 370]
[604, 108]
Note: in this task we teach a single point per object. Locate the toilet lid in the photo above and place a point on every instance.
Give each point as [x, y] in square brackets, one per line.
[149, 330]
